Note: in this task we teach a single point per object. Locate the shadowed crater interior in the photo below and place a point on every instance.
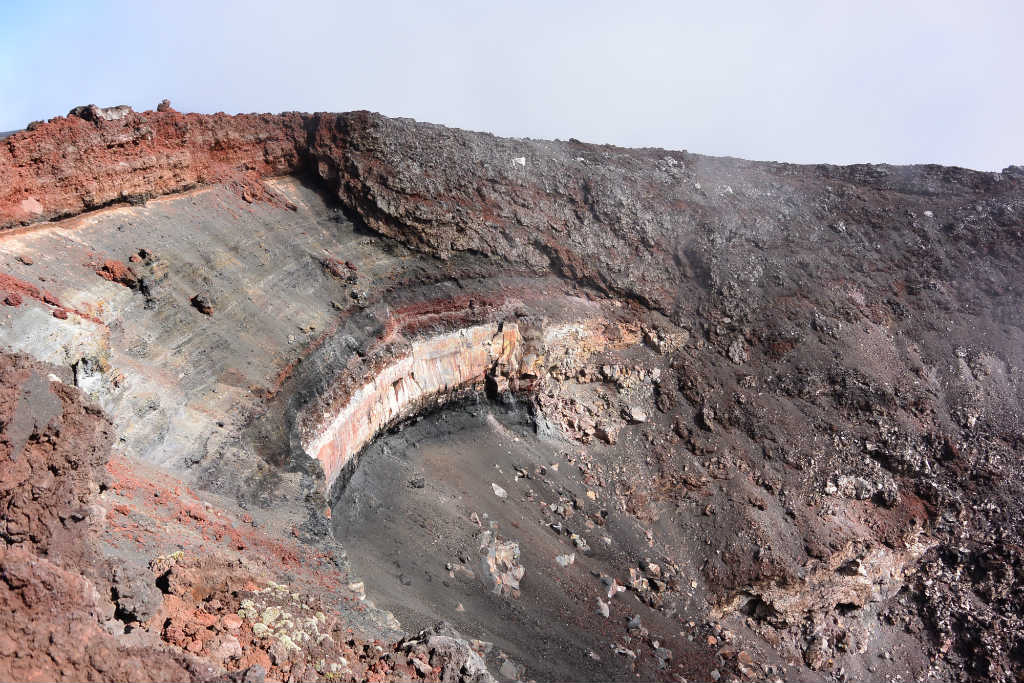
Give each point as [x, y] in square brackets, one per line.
[439, 513]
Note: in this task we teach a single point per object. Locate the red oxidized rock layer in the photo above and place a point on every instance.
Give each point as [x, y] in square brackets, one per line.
[52, 451]
[70, 165]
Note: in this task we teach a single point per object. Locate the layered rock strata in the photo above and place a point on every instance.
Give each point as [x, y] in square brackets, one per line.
[640, 223]
[848, 370]
[70, 165]
[509, 356]
[435, 369]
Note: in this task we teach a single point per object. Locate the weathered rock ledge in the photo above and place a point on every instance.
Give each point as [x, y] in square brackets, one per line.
[435, 370]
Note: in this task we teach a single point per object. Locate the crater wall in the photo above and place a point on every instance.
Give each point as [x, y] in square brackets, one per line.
[435, 369]
[850, 370]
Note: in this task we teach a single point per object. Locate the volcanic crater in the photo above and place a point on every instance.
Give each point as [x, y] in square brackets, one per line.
[343, 397]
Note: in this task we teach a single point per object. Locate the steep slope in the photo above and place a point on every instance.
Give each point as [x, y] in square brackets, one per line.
[797, 390]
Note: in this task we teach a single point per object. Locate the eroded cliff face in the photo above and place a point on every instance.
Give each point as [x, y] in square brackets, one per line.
[437, 369]
[795, 390]
[497, 359]
[69, 165]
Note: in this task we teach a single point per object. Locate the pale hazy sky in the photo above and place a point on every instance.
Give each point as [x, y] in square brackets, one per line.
[842, 82]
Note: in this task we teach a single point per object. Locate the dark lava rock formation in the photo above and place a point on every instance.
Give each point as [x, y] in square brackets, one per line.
[776, 410]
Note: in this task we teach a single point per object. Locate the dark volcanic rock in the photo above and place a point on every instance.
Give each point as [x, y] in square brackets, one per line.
[873, 308]
[835, 457]
[651, 224]
[203, 303]
[135, 593]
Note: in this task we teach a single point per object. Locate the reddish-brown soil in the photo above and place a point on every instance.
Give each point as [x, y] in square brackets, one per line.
[65, 498]
[17, 289]
[52, 601]
[118, 272]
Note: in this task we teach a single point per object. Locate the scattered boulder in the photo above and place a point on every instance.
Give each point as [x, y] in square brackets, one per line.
[652, 568]
[607, 432]
[817, 653]
[738, 352]
[250, 674]
[136, 594]
[511, 671]
[883, 490]
[857, 488]
[451, 653]
[635, 415]
[90, 112]
[203, 303]
[116, 271]
[499, 562]
[706, 418]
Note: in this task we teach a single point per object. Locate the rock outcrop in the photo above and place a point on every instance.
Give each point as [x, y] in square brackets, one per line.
[84, 161]
[437, 369]
[641, 223]
[508, 356]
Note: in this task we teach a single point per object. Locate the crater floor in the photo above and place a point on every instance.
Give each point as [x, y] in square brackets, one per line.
[421, 497]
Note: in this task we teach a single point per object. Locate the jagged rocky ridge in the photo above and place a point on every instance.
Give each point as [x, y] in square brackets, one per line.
[855, 346]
